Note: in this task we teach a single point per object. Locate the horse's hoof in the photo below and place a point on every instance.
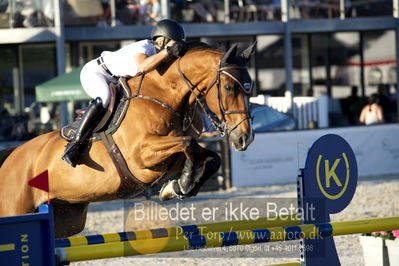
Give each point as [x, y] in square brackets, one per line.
[168, 191]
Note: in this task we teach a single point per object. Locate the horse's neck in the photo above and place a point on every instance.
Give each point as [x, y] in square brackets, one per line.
[171, 88]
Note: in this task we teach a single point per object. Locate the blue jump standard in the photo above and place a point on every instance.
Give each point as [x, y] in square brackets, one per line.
[28, 239]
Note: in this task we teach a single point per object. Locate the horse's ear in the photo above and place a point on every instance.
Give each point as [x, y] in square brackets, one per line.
[246, 54]
[231, 53]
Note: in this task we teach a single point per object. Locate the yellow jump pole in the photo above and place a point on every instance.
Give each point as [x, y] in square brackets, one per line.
[365, 226]
[178, 231]
[220, 239]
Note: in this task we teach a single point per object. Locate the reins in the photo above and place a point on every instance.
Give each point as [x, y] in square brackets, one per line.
[200, 100]
[141, 96]
[220, 126]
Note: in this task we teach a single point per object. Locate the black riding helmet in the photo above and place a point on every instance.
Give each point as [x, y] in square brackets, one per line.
[168, 28]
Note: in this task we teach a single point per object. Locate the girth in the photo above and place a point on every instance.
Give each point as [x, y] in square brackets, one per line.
[128, 180]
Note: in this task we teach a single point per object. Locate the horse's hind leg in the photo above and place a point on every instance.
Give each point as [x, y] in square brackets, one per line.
[69, 218]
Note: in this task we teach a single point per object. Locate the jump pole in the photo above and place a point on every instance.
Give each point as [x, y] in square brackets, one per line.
[223, 239]
[184, 230]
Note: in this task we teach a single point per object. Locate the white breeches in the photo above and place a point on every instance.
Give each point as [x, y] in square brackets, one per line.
[95, 81]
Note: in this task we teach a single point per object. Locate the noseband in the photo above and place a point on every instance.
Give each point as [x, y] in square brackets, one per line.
[221, 126]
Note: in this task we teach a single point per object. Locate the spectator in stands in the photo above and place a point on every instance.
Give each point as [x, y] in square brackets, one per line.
[177, 7]
[105, 16]
[383, 97]
[353, 106]
[3, 109]
[5, 120]
[145, 6]
[394, 104]
[372, 112]
[4, 14]
[204, 11]
[123, 14]
[25, 14]
[155, 13]
[33, 13]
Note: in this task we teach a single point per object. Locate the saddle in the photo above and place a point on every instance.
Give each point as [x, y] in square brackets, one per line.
[108, 125]
[112, 118]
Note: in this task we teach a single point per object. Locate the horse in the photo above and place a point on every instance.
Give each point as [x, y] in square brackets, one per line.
[152, 139]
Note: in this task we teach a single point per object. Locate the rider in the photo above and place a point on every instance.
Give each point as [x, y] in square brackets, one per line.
[167, 40]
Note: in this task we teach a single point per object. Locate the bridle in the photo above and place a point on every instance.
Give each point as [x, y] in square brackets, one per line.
[221, 126]
[200, 100]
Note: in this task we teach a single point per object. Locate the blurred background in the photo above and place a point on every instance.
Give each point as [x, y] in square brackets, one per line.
[316, 64]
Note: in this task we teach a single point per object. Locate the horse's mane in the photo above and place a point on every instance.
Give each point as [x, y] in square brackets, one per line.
[197, 45]
[191, 47]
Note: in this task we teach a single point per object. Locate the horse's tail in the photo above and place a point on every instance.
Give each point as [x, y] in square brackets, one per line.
[4, 154]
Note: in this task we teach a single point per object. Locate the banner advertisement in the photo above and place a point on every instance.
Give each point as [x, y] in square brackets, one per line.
[275, 158]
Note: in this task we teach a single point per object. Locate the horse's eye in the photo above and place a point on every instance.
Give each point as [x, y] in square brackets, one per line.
[228, 87]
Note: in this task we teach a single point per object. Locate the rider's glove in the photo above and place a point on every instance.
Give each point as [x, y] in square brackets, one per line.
[177, 50]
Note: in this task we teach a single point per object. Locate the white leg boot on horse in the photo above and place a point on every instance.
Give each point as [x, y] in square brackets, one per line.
[91, 117]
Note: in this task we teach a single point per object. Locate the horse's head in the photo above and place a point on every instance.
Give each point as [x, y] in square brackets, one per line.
[225, 84]
[228, 97]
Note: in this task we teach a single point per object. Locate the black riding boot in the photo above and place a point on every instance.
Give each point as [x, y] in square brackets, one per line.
[87, 124]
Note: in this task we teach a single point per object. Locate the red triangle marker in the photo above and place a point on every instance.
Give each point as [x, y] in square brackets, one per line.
[41, 182]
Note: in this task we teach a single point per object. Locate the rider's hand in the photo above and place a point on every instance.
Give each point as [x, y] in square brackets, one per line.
[177, 50]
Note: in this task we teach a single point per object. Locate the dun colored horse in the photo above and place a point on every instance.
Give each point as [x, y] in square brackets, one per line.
[152, 139]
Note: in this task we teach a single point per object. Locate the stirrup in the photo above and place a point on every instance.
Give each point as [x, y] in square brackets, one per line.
[72, 153]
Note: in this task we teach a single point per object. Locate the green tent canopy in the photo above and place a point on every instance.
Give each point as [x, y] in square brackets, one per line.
[63, 88]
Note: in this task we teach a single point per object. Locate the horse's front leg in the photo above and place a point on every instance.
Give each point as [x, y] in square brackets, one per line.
[194, 175]
[157, 149]
[199, 165]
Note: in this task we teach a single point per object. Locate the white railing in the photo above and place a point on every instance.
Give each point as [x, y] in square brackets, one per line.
[309, 112]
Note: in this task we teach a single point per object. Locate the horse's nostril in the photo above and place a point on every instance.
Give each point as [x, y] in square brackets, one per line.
[243, 141]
